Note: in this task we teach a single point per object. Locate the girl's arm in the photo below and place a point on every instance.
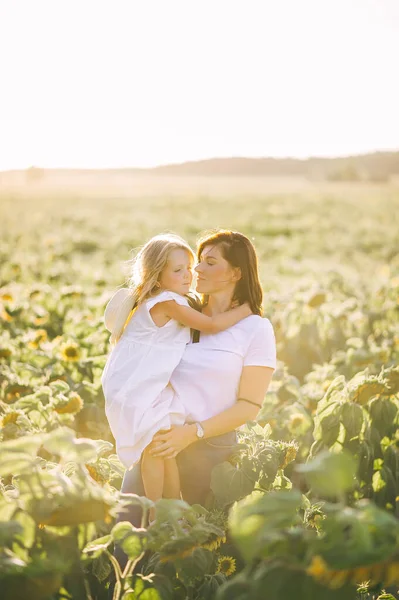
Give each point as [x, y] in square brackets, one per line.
[253, 386]
[192, 318]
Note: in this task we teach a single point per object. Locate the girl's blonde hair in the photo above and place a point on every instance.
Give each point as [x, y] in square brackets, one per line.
[144, 271]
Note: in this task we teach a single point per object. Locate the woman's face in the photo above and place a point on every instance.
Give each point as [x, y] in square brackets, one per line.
[214, 273]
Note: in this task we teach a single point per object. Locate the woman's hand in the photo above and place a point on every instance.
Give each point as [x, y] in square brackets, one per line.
[173, 441]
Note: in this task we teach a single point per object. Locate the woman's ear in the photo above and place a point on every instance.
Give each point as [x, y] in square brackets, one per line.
[236, 274]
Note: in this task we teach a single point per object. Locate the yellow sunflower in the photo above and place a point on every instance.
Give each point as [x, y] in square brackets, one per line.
[317, 299]
[14, 392]
[74, 404]
[318, 568]
[290, 455]
[296, 420]
[5, 315]
[315, 519]
[10, 417]
[182, 554]
[70, 351]
[5, 352]
[41, 320]
[214, 544]
[39, 336]
[94, 474]
[392, 573]
[226, 565]
[11, 397]
[6, 296]
[385, 572]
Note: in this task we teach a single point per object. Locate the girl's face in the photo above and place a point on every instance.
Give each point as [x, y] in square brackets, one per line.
[178, 273]
[214, 272]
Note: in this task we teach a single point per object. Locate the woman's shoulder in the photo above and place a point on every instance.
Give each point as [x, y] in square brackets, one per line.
[256, 323]
[261, 343]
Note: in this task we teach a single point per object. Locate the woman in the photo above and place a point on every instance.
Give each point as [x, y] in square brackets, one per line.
[223, 377]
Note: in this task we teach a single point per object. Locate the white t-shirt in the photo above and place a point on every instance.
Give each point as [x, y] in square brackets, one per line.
[207, 378]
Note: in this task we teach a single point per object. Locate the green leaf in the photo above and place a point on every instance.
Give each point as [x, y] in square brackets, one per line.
[130, 538]
[116, 464]
[133, 545]
[100, 544]
[28, 402]
[330, 474]
[7, 509]
[28, 444]
[378, 481]
[168, 509]
[8, 531]
[121, 530]
[352, 418]
[29, 528]
[330, 433]
[230, 483]
[101, 567]
[259, 515]
[59, 386]
[128, 499]
[196, 565]
[337, 385]
[15, 463]
[59, 441]
[63, 443]
[200, 510]
[84, 450]
[141, 593]
[383, 413]
[103, 447]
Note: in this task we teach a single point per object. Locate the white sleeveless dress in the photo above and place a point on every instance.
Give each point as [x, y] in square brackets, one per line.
[138, 398]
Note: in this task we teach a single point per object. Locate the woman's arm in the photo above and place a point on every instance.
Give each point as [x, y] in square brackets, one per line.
[253, 386]
[192, 318]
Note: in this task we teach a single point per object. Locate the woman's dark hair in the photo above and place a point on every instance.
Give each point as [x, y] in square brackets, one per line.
[239, 251]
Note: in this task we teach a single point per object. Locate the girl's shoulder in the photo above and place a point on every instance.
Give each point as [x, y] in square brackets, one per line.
[166, 296]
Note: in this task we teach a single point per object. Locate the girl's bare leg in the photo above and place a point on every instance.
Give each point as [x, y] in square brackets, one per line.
[153, 475]
[171, 488]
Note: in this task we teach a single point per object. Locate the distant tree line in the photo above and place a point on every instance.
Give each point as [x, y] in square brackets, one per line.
[377, 167]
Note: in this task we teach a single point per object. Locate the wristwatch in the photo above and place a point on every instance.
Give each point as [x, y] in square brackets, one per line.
[200, 430]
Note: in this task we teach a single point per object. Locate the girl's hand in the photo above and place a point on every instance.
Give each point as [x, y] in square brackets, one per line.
[173, 441]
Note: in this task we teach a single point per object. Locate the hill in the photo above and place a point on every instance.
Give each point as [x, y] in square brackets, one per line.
[376, 166]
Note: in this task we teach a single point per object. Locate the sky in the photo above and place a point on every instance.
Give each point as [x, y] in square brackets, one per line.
[123, 83]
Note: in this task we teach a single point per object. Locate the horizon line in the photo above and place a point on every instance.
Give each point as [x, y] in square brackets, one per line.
[201, 160]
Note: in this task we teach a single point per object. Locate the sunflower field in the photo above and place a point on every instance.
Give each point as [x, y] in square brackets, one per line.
[308, 505]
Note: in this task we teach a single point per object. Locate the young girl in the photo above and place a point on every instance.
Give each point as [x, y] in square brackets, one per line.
[150, 325]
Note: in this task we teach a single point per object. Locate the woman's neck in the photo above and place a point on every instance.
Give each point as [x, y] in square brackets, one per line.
[218, 303]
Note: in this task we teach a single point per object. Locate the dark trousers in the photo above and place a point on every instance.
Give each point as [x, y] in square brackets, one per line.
[195, 465]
